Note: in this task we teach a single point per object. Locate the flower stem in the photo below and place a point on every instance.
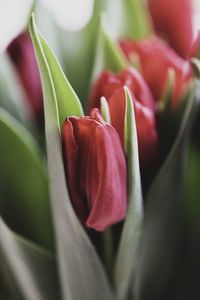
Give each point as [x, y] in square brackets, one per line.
[108, 249]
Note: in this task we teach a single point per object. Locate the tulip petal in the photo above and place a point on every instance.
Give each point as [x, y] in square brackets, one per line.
[111, 86]
[96, 170]
[174, 20]
[109, 197]
[154, 49]
[70, 149]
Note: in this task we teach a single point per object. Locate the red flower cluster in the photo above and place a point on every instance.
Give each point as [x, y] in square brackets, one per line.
[94, 159]
[111, 86]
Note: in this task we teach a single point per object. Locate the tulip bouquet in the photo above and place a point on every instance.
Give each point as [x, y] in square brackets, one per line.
[100, 157]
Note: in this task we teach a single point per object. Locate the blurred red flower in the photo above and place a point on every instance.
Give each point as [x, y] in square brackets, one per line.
[156, 58]
[111, 86]
[21, 53]
[174, 20]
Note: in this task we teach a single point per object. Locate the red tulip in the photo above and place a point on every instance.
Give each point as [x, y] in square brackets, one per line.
[23, 57]
[174, 20]
[111, 86]
[156, 58]
[95, 170]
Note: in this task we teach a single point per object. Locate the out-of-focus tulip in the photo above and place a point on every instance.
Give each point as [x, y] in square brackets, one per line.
[23, 57]
[156, 58]
[174, 20]
[111, 86]
[95, 170]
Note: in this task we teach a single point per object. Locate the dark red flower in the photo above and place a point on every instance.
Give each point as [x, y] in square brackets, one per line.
[23, 57]
[95, 170]
[111, 86]
[156, 58]
[174, 21]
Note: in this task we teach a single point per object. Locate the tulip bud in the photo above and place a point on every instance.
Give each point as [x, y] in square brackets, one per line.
[22, 55]
[111, 86]
[174, 20]
[95, 169]
[156, 58]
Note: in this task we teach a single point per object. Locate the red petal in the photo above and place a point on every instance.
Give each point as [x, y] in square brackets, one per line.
[156, 58]
[96, 170]
[145, 124]
[109, 83]
[106, 179]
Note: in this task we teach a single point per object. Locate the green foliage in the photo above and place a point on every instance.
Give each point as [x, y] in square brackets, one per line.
[24, 197]
[27, 272]
[164, 217]
[75, 253]
[128, 253]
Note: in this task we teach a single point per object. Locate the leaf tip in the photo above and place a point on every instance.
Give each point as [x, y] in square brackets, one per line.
[105, 109]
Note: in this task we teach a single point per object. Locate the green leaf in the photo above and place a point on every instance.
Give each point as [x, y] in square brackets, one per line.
[164, 213]
[128, 253]
[192, 187]
[77, 259]
[68, 102]
[108, 54]
[129, 19]
[196, 65]
[105, 110]
[24, 197]
[27, 272]
[165, 104]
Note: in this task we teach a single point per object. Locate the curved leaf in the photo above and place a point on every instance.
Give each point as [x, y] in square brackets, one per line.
[68, 103]
[77, 259]
[108, 54]
[24, 198]
[128, 252]
[163, 227]
[27, 272]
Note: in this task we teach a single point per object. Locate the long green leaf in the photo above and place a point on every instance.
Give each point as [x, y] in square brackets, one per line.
[187, 284]
[68, 103]
[127, 257]
[192, 187]
[27, 272]
[78, 261]
[24, 198]
[163, 228]
[108, 54]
